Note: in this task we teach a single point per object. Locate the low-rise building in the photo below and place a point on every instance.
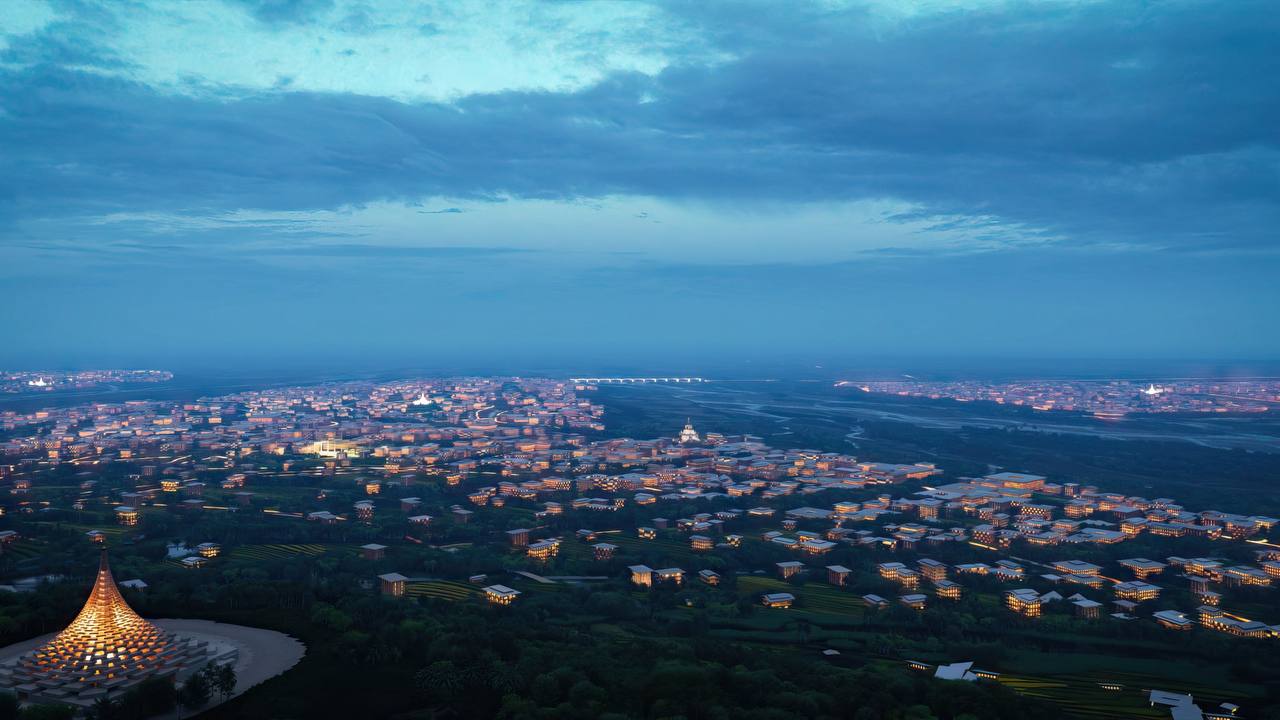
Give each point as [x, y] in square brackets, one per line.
[500, 594]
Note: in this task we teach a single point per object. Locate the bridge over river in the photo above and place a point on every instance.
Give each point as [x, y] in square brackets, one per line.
[626, 380]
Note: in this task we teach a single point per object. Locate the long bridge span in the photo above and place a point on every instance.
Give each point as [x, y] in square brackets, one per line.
[630, 380]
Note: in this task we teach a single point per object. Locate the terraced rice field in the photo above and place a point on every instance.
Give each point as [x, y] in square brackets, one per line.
[1082, 696]
[441, 590]
[275, 552]
[1083, 699]
[112, 532]
[24, 549]
[672, 548]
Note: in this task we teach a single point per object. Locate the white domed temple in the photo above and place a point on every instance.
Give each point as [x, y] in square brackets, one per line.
[688, 434]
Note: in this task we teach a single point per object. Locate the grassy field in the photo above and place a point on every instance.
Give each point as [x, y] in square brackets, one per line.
[818, 598]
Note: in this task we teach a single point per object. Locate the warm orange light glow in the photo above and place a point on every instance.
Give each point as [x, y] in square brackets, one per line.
[107, 633]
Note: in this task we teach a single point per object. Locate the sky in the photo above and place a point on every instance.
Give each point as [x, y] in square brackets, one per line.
[393, 182]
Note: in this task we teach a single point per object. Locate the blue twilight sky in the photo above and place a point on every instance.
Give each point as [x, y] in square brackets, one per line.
[394, 181]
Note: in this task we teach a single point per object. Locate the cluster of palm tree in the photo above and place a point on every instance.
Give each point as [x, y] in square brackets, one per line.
[157, 697]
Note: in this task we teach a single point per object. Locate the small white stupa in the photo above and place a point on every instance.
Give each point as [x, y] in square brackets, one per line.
[1152, 390]
[422, 399]
[688, 434]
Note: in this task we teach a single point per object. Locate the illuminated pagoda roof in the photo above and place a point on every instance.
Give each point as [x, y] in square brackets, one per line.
[106, 646]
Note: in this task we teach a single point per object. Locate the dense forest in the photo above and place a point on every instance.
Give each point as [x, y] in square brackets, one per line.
[577, 654]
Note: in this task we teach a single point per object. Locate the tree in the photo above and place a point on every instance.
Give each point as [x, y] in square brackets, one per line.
[48, 712]
[195, 692]
[440, 678]
[104, 708]
[154, 696]
[221, 678]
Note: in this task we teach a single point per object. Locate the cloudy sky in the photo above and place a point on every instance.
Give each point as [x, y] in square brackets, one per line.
[388, 179]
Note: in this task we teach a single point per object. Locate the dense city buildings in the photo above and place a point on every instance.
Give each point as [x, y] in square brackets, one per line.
[34, 381]
[1104, 399]
[521, 477]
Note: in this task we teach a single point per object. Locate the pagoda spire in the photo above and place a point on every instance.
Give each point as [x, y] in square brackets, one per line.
[106, 639]
[106, 647]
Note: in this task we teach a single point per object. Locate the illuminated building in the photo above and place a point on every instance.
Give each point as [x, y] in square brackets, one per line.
[1078, 509]
[1172, 619]
[1025, 602]
[789, 568]
[1245, 575]
[914, 601]
[947, 589]
[985, 534]
[544, 550]
[500, 594]
[1087, 609]
[909, 579]
[126, 516]
[641, 575]
[604, 551]
[1137, 590]
[393, 584]
[1044, 512]
[209, 549]
[932, 569]
[838, 575]
[1076, 567]
[889, 570]
[336, 449]
[701, 542]
[778, 600]
[1016, 483]
[672, 575]
[1143, 568]
[107, 646]
[816, 547]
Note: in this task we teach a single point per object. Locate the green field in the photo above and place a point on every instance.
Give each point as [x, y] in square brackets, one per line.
[814, 597]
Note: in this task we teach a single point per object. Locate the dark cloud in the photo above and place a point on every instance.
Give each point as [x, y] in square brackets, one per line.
[1120, 123]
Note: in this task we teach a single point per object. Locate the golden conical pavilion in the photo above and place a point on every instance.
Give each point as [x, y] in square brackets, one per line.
[108, 645]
